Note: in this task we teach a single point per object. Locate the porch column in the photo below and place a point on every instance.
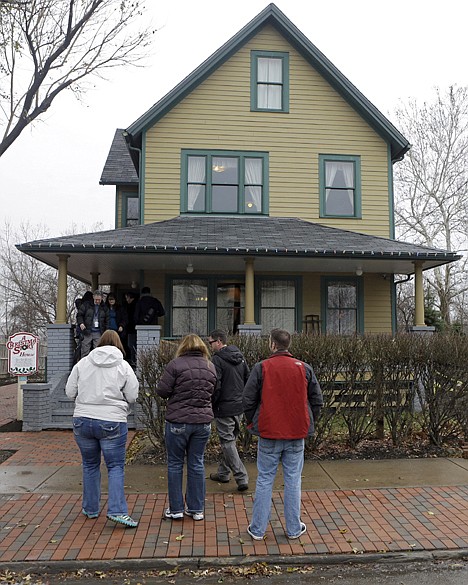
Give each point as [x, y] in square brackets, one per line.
[249, 292]
[418, 295]
[94, 280]
[61, 316]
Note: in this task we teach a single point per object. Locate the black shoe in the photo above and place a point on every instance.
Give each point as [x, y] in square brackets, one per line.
[242, 487]
[215, 477]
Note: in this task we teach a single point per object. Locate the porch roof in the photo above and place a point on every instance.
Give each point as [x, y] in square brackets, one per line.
[222, 243]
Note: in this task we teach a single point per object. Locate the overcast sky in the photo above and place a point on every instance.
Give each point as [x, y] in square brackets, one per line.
[389, 51]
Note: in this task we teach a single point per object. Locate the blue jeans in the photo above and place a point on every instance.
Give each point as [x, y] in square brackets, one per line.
[93, 437]
[269, 453]
[184, 439]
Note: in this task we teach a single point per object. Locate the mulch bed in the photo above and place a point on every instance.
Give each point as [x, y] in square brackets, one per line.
[5, 454]
[143, 452]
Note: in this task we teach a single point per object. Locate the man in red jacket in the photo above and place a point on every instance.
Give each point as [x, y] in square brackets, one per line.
[282, 400]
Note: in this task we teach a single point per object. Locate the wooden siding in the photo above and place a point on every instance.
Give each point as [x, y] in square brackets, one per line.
[216, 115]
[377, 304]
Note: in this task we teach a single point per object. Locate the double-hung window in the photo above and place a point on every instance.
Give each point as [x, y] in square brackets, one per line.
[130, 209]
[269, 81]
[340, 186]
[224, 182]
[342, 310]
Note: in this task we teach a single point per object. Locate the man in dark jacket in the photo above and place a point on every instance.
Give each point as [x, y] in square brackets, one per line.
[148, 308]
[232, 372]
[282, 400]
[93, 320]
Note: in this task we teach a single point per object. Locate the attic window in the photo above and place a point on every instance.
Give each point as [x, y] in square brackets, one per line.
[269, 91]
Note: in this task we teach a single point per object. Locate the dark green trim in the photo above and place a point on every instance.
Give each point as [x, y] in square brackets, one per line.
[391, 195]
[271, 15]
[254, 56]
[393, 301]
[117, 198]
[209, 154]
[359, 282]
[142, 183]
[125, 196]
[356, 159]
[298, 297]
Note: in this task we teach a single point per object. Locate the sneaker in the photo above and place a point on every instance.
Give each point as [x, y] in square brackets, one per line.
[90, 516]
[303, 529]
[242, 487]
[254, 536]
[216, 477]
[123, 519]
[195, 515]
[173, 516]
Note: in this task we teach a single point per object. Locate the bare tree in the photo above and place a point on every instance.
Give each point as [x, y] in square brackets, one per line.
[48, 46]
[28, 288]
[431, 186]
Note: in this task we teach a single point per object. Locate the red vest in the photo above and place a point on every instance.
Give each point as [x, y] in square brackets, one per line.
[284, 410]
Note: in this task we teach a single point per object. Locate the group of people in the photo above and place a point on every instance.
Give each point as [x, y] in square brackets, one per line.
[280, 399]
[95, 316]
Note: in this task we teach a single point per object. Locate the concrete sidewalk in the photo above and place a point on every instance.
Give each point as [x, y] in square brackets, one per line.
[374, 509]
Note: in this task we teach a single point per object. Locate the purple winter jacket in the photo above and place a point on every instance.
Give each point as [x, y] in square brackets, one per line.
[188, 383]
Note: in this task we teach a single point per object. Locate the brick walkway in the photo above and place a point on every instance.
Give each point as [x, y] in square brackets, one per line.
[41, 527]
[50, 527]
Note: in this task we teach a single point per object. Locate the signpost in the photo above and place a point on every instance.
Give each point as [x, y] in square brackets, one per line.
[22, 361]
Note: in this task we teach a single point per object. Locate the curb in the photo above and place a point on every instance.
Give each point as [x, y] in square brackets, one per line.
[162, 564]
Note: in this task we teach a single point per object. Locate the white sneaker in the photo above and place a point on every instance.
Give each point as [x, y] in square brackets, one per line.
[172, 516]
[195, 515]
[254, 536]
[303, 529]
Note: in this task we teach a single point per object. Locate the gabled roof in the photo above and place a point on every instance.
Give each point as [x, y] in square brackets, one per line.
[119, 168]
[273, 16]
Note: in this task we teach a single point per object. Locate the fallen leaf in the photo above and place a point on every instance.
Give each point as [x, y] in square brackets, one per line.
[180, 537]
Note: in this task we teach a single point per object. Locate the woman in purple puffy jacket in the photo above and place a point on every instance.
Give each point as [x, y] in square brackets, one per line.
[188, 383]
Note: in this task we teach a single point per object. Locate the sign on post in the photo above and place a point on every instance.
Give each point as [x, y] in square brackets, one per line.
[23, 354]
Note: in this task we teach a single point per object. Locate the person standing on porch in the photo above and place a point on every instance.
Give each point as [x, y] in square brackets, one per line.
[148, 308]
[103, 385]
[232, 372]
[93, 320]
[188, 383]
[282, 401]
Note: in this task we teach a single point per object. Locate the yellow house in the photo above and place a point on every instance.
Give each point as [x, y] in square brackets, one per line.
[256, 194]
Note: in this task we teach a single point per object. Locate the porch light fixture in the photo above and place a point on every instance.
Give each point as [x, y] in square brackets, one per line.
[189, 268]
[358, 271]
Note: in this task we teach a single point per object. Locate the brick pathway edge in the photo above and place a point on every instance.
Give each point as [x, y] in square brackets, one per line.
[190, 563]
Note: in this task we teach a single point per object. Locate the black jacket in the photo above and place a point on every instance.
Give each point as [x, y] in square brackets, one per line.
[232, 372]
[86, 315]
[147, 310]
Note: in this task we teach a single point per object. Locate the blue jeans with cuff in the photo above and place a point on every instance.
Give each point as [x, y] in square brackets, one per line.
[270, 452]
[95, 437]
[185, 439]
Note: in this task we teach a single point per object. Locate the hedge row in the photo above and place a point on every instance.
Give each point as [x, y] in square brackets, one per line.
[372, 385]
